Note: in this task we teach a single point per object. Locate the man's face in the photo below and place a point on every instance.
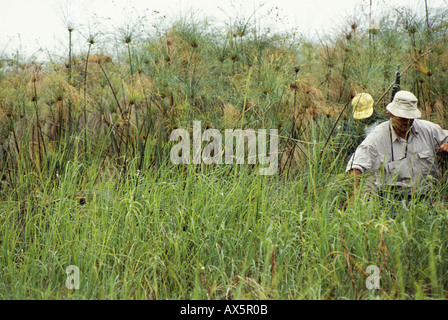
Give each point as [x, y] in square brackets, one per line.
[401, 125]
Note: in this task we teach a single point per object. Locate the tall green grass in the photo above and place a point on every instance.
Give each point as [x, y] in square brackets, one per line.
[215, 233]
[87, 181]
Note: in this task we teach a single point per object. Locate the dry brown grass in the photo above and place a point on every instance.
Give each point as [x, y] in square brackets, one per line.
[3, 113]
[231, 116]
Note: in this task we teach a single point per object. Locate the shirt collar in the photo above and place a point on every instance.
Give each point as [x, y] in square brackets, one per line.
[395, 137]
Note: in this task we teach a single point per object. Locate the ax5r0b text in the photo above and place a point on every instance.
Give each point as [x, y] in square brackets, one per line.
[242, 309]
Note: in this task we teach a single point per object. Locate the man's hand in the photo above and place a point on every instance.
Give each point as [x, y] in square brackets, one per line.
[355, 173]
[443, 148]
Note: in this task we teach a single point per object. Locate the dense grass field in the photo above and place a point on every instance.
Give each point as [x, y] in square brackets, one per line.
[87, 179]
[224, 233]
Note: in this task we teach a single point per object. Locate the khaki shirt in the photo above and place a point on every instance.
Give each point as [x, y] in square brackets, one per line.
[394, 161]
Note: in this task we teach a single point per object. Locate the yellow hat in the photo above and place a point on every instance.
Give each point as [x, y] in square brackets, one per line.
[362, 105]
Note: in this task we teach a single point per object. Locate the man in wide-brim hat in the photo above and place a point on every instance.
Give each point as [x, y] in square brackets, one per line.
[401, 152]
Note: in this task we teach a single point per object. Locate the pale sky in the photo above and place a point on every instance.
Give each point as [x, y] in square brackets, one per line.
[36, 26]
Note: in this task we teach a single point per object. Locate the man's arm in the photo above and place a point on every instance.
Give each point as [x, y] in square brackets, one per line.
[356, 173]
[441, 138]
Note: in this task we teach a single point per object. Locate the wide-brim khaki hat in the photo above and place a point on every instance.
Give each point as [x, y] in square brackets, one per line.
[404, 105]
[362, 106]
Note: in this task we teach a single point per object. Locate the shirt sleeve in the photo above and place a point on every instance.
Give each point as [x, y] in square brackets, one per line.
[440, 135]
[362, 159]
